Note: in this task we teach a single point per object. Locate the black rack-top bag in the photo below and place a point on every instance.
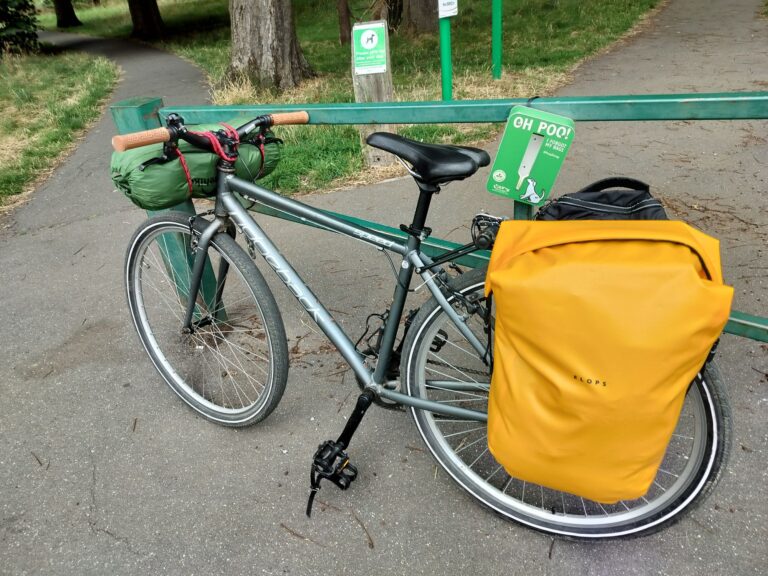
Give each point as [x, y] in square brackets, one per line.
[616, 198]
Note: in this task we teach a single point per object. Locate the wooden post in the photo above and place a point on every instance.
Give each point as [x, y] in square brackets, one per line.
[372, 79]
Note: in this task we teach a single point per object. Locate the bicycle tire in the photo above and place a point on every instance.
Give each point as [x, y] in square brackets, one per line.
[232, 369]
[691, 468]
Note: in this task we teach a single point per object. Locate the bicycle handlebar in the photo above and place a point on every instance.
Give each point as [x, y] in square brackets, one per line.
[124, 142]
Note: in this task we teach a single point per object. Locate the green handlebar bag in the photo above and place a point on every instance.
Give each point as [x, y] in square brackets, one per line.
[160, 185]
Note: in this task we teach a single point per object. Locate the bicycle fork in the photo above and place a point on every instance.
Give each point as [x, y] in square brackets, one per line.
[200, 250]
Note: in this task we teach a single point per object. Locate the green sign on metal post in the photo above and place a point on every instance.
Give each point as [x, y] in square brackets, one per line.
[446, 9]
[530, 155]
[369, 42]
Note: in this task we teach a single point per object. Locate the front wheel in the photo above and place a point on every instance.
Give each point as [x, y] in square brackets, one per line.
[438, 364]
[232, 366]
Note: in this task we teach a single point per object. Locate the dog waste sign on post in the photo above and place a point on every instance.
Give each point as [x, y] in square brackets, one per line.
[372, 79]
[530, 155]
[369, 48]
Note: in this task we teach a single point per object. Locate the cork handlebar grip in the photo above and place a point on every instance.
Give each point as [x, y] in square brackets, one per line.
[284, 118]
[124, 142]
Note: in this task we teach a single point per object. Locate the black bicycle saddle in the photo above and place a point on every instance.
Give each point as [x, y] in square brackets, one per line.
[434, 163]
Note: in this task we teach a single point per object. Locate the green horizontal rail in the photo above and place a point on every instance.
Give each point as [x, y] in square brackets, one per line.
[142, 113]
[720, 106]
[432, 247]
[739, 323]
[748, 326]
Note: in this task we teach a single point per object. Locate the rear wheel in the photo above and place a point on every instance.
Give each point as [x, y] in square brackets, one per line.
[438, 364]
[233, 367]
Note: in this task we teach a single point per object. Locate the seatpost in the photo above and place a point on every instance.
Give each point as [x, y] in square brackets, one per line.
[417, 228]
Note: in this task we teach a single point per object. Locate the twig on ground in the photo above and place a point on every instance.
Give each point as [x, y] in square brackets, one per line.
[325, 504]
[341, 405]
[300, 536]
[343, 371]
[368, 534]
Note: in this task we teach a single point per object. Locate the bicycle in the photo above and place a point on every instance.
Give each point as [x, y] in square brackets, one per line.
[211, 327]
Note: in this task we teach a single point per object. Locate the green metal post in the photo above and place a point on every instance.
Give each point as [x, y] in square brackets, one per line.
[496, 16]
[522, 211]
[134, 115]
[446, 68]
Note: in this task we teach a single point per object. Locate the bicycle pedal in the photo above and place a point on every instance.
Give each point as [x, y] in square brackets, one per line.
[330, 462]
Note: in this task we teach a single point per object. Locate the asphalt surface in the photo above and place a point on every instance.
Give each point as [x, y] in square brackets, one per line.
[104, 471]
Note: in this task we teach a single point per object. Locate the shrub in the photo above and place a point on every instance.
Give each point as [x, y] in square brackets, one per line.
[18, 26]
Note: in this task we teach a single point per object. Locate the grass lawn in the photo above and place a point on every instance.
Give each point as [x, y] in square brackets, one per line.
[543, 41]
[45, 101]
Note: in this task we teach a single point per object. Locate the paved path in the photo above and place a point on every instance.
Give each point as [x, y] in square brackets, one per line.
[177, 495]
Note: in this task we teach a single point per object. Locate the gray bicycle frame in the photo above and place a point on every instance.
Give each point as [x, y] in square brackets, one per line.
[227, 205]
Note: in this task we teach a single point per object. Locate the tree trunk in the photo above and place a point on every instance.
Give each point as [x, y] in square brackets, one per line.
[389, 10]
[147, 22]
[345, 21]
[264, 44]
[419, 16]
[65, 14]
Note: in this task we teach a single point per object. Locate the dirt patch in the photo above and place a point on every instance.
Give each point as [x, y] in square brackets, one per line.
[89, 343]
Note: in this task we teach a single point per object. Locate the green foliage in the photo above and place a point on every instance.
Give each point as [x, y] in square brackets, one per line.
[18, 26]
[537, 33]
[181, 18]
[44, 101]
[447, 133]
[314, 157]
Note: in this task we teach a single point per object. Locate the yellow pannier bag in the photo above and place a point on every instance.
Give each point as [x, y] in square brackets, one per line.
[601, 326]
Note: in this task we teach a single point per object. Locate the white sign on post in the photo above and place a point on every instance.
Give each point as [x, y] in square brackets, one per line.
[447, 8]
